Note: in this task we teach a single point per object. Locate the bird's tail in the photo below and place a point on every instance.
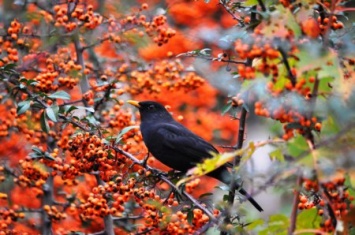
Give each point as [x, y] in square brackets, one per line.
[250, 199]
[223, 175]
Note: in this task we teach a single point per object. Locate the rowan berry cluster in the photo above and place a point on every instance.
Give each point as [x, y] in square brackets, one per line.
[331, 199]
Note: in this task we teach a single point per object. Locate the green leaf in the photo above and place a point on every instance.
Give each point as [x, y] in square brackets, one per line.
[350, 188]
[92, 120]
[44, 123]
[23, 106]
[255, 224]
[38, 153]
[313, 57]
[250, 3]
[297, 145]
[36, 150]
[124, 131]
[205, 195]
[292, 23]
[69, 108]
[190, 216]
[60, 95]
[227, 108]
[279, 223]
[9, 66]
[277, 155]
[51, 114]
[308, 219]
[330, 126]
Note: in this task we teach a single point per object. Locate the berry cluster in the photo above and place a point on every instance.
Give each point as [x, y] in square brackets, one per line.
[7, 120]
[323, 23]
[89, 153]
[155, 28]
[53, 213]
[165, 74]
[7, 218]
[33, 175]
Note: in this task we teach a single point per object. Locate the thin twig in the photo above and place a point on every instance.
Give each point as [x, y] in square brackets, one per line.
[236, 162]
[293, 217]
[287, 65]
[230, 11]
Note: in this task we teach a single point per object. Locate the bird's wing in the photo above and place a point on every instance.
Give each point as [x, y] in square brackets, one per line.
[182, 140]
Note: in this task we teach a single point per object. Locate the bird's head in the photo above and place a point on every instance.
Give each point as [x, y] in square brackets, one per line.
[151, 111]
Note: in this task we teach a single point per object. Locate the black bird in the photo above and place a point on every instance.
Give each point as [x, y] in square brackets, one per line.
[175, 145]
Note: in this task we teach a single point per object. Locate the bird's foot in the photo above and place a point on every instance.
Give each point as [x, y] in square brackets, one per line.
[144, 161]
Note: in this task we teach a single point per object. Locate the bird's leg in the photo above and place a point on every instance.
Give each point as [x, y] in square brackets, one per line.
[145, 160]
[158, 173]
[167, 198]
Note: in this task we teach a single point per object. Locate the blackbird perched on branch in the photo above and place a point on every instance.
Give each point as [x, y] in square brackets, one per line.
[175, 145]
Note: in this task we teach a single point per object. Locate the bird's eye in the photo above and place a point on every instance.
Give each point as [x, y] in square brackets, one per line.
[151, 107]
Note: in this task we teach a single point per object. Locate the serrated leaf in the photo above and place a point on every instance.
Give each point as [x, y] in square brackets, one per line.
[23, 106]
[60, 95]
[51, 114]
[124, 131]
[277, 155]
[44, 123]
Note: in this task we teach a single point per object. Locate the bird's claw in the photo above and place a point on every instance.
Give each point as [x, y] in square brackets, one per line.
[144, 161]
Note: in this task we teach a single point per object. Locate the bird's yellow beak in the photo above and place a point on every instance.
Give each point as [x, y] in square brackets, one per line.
[134, 103]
